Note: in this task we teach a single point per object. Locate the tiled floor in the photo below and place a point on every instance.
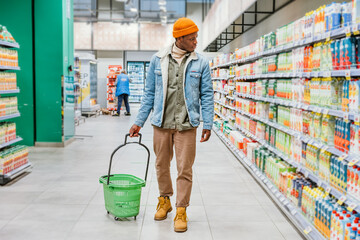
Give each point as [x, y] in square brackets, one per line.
[62, 197]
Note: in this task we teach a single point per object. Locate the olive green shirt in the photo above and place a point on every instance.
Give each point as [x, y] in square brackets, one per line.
[176, 115]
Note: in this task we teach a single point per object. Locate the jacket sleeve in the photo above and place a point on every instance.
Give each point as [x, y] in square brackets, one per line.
[207, 98]
[147, 102]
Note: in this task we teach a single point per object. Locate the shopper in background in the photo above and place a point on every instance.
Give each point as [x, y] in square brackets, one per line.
[178, 84]
[123, 92]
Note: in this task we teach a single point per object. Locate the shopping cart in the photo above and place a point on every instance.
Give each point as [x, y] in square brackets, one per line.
[122, 192]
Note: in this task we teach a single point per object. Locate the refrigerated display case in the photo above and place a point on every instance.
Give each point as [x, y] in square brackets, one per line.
[136, 72]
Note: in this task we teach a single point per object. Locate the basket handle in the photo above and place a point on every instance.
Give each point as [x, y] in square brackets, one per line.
[122, 145]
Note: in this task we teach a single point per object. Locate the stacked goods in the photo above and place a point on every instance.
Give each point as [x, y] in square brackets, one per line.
[5, 35]
[12, 158]
[8, 57]
[7, 81]
[8, 106]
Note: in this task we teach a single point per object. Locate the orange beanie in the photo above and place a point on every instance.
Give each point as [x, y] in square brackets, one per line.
[184, 26]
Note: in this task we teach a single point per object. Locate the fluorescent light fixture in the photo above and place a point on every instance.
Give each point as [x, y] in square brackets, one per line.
[133, 9]
[162, 2]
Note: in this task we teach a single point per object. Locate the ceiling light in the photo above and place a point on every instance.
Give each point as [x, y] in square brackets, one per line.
[162, 2]
[133, 9]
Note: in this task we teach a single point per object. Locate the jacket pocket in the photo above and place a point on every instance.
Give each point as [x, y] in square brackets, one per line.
[195, 79]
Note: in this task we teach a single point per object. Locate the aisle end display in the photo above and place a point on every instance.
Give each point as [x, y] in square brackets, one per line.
[111, 100]
[13, 159]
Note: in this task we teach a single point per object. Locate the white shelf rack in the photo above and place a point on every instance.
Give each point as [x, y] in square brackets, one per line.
[221, 91]
[9, 44]
[292, 212]
[10, 91]
[336, 33]
[15, 173]
[17, 139]
[10, 116]
[294, 104]
[350, 201]
[302, 137]
[9, 68]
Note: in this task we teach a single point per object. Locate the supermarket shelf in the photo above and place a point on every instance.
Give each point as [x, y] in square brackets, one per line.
[350, 201]
[232, 98]
[221, 116]
[301, 136]
[224, 78]
[15, 173]
[10, 116]
[9, 68]
[9, 44]
[290, 103]
[10, 91]
[335, 73]
[288, 208]
[17, 139]
[336, 33]
[223, 92]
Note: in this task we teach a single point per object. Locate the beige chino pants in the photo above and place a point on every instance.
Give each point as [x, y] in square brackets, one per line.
[185, 149]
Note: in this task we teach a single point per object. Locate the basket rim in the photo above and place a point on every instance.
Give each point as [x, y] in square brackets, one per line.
[140, 183]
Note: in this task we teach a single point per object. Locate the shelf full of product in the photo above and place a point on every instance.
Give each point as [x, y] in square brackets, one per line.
[136, 73]
[288, 107]
[13, 159]
[113, 71]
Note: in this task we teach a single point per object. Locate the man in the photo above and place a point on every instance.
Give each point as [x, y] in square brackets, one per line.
[123, 92]
[178, 83]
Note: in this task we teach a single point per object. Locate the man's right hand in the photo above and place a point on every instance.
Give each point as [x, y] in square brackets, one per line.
[134, 130]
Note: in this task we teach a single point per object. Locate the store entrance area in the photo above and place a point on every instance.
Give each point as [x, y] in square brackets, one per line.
[63, 199]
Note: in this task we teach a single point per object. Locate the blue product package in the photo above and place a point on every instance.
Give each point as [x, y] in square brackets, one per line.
[353, 233]
[336, 16]
[331, 169]
[346, 9]
[357, 50]
[328, 11]
[338, 51]
[348, 53]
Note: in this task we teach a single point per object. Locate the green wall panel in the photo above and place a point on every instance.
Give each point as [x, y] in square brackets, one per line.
[68, 56]
[16, 15]
[48, 69]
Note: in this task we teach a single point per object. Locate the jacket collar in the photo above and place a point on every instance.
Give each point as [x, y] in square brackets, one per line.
[167, 50]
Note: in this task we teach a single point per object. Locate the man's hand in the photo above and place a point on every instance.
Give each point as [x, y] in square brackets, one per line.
[134, 130]
[205, 135]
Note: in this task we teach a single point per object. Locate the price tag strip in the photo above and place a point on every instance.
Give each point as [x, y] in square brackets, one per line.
[348, 74]
[342, 157]
[328, 190]
[357, 119]
[307, 230]
[351, 207]
[353, 162]
[341, 200]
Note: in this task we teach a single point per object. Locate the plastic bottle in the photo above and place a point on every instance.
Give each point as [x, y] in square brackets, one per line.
[358, 235]
[353, 233]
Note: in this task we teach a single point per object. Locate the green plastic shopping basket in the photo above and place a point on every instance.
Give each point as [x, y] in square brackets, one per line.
[122, 192]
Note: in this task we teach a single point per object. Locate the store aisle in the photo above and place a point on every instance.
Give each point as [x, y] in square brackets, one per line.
[62, 198]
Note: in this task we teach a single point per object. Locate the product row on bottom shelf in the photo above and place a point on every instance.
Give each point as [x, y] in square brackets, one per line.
[329, 215]
[12, 158]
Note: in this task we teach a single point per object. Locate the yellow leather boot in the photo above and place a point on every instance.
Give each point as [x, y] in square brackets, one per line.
[180, 220]
[163, 208]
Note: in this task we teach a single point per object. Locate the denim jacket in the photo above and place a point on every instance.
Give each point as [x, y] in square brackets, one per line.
[198, 90]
